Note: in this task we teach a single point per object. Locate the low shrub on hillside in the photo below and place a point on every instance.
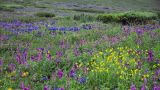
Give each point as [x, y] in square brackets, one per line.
[129, 17]
[45, 14]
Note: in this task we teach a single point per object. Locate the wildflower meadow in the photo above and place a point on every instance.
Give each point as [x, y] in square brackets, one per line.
[79, 45]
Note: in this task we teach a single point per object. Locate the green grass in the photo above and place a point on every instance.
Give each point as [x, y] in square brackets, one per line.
[10, 7]
[88, 10]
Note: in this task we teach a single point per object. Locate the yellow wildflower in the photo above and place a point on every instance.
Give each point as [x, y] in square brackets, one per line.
[100, 53]
[24, 74]
[154, 66]
[10, 89]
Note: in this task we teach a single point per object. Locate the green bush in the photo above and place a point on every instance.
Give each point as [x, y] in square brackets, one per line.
[45, 14]
[127, 16]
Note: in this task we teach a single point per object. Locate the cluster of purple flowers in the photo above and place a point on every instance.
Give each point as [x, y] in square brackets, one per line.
[75, 28]
[151, 27]
[87, 26]
[39, 55]
[21, 57]
[18, 27]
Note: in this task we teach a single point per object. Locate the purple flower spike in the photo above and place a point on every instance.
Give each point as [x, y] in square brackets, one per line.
[22, 85]
[72, 73]
[150, 55]
[59, 54]
[60, 74]
[82, 80]
[133, 87]
[76, 53]
[1, 62]
[139, 31]
[46, 87]
[143, 87]
[12, 67]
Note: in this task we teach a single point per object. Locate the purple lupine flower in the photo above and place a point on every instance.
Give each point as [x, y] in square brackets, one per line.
[72, 73]
[133, 87]
[1, 62]
[74, 29]
[139, 64]
[157, 73]
[46, 88]
[62, 44]
[146, 71]
[18, 56]
[48, 56]
[1, 65]
[62, 29]
[39, 57]
[44, 78]
[25, 55]
[22, 86]
[42, 49]
[82, 80]
[60, 74]
[59, 54]
[150, 55]
[32, 58]
[139, 31]
[143, 87]
[76, 53]
[87, 26]
[27, 88]
[40, 52]
[145, 81]
[58, 88]
[12, 67]
[155, 87]
[157, 60]
[53, 28]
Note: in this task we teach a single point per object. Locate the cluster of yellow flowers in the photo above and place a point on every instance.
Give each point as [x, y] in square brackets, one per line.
[24, 74]
[119, 61]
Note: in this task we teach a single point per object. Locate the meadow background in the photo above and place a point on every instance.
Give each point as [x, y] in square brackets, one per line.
[79, 44]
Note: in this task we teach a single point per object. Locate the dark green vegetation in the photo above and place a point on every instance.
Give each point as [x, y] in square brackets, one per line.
[79, 45]
[45, 14]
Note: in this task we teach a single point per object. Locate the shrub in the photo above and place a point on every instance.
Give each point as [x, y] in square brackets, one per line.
[130, 17]
[45, 14]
